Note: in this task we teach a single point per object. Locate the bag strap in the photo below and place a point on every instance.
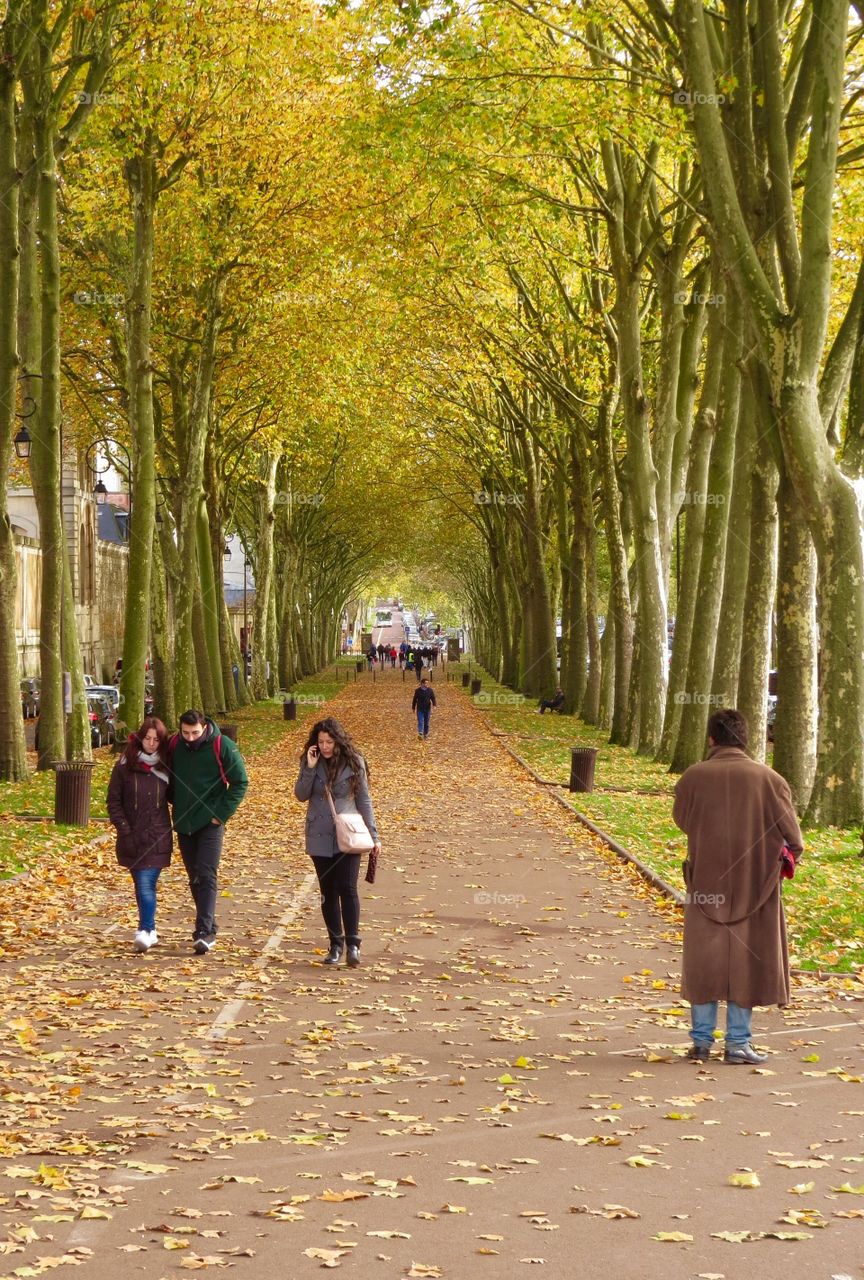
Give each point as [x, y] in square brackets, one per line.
[217, 747]
[330, 800]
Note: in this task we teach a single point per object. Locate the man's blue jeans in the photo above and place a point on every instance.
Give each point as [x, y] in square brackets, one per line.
[145, 896]
[423, 721]
[704, 1019]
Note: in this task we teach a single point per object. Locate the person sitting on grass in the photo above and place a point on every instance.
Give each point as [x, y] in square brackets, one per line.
[555, 703]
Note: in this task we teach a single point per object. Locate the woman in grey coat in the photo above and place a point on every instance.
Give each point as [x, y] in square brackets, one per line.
[330, 758]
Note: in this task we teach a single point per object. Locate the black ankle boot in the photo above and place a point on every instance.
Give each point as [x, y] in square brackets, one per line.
[334, 955]
[352, 959]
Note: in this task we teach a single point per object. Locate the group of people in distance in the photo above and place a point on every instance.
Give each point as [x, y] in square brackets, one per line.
[407, 657]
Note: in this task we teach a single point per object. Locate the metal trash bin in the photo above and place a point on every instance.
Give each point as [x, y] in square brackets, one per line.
[466, 679]
[289, 709]
[72, 783]
[582, 761]
[231, 731]
[359, 665]
[475, 687]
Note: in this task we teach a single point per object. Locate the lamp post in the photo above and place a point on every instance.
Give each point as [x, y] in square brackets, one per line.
[23, 440]
[100, 491]
[245, 621]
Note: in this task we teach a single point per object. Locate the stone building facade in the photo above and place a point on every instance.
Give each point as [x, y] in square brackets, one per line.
[97, 538]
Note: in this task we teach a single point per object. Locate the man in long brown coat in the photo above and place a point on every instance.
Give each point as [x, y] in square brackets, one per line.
[738, 816]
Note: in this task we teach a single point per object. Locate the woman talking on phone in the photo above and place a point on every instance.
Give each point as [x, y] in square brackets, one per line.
[334, 780]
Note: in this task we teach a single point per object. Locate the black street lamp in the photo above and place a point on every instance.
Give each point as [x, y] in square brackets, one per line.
[100, 490]
[22, 443]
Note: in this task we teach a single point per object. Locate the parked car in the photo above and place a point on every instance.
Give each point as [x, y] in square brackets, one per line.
[103, 728]
[109, 691]
[30, 696]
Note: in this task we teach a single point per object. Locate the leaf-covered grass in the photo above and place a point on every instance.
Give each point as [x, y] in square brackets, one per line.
[260, 727]
[825, 901]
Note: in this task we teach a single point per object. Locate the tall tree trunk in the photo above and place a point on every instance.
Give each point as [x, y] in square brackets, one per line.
[539, 674]
[265, 496]
[607, 668]
[694, 528]
[795, 722]
[736, 565]
[619, 591]
[759, 600]
[208, 699]
[160, 641]
[211, 599]
[140, 171]
[192, 439]
[45, 463]
[13, 759]
[691, 742]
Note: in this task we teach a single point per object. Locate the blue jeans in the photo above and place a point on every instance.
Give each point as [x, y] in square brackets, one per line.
[145, 896]
[703, 1019]
[423, 720]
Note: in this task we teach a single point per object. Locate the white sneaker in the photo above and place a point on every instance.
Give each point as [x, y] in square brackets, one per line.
[143, 940]
[154, 937]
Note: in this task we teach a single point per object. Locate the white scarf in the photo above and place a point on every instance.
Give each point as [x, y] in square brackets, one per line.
[155, 762]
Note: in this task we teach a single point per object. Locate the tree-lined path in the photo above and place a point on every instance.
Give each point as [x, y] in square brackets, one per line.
[495, 1086]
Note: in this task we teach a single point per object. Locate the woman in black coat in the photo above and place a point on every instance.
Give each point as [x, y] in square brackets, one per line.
[138, 808]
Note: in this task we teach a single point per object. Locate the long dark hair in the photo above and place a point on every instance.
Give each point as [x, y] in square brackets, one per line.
[345, 752]
[134, 748]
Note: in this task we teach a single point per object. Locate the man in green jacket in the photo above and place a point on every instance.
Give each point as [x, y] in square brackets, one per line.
[208, 782]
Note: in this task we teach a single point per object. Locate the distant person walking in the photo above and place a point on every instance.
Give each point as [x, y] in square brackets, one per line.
[330, 759]
[418, 664]
[423, 701]
[372, 656]
[739, 820]
[208, 782]
[138, 808]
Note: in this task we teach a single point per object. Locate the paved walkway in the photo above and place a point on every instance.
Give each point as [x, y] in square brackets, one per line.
[495, 1087]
